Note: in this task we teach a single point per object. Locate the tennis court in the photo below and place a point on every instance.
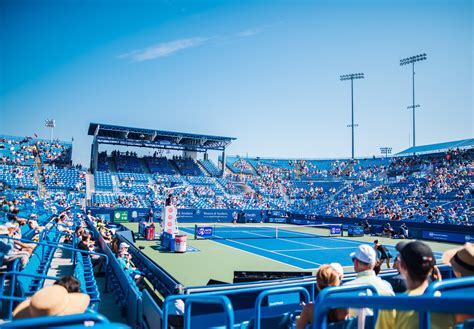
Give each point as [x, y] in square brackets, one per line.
[247, 251]
[303, 247]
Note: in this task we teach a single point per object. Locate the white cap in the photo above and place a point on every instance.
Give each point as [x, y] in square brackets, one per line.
[365, 254]
[10, 225]
[338, 268]
[124, 245]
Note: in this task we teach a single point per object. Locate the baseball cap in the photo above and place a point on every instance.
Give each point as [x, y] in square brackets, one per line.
[124, 245]
[9, 225]
[365, 254]
[418, 257]
[461, 259]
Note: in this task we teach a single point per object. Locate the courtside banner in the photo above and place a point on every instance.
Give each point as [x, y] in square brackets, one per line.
[205, 231]
[335, 230]
[447, 236]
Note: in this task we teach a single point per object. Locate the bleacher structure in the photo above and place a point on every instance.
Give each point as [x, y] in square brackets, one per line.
[336, 188]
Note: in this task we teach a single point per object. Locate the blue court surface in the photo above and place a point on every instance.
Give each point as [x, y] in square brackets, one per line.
[307, 253]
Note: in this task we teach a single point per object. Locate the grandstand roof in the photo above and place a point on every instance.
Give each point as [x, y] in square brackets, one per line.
[439, 147]
[128, 136]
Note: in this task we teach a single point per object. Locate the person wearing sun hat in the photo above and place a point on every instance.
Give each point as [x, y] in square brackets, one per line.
[462, 261]
[52, 301]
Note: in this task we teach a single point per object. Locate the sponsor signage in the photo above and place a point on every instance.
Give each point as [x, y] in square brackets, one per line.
[205, 231]
[120, 216]
[335, 230]
[447, 236]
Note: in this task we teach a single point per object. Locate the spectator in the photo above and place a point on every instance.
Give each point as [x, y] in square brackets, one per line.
[326, 276]
[8, 246]
[364, 259]
[52, 301]
[338, 269]
[87, 244]
[462, 262]
[124, 259]
[399, 283]
[123, 247]
[416, 264]
[70, 283]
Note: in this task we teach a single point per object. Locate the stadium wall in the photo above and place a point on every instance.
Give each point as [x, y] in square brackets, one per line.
[418, 230]
[184, 215]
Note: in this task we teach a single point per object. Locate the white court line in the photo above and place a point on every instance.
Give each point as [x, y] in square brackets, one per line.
[283, 239]
[277, 253]
[309, 249]
[221, 242]
[325, 249]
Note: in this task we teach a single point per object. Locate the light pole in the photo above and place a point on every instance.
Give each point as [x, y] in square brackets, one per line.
[50, 123]
[412, 60]
[386, 150]
[352, 77]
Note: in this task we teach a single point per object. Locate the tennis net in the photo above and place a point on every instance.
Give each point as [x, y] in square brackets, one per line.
[263, 231]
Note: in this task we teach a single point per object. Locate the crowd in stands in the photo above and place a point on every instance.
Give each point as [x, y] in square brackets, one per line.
[417, 269]
[433, 188]
[21, 151]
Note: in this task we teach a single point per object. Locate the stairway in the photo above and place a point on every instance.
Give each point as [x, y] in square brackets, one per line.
[39, 174]
[115, 184]
[203, 169]
[90, 185]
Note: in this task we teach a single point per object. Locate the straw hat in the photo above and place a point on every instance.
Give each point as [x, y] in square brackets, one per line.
[3, 230]
[51, 301]
[461, 259]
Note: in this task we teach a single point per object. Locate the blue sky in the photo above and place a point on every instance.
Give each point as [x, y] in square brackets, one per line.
[266, 72]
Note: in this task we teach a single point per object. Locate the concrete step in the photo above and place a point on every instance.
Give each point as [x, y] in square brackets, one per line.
[61, 265]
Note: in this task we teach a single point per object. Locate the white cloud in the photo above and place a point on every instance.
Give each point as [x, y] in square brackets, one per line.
[163, 49]
[249, 32]
[168, 48]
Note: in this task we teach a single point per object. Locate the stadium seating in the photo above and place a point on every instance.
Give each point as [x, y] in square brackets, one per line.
[18, 177]
[103, 181]
[159, 165]
[64, 179]
[187, 167]
[210, 167]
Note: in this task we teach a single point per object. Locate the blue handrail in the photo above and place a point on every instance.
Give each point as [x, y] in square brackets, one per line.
[266, 293]
[449, 284]
[14, 275]
[461, 304]
[67, 248]
[438, 286]
[52, 321]
[329, 292]
[222, 300]
[201, 299]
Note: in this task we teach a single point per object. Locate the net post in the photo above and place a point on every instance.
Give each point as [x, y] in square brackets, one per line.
[195, 231]
[276, 232]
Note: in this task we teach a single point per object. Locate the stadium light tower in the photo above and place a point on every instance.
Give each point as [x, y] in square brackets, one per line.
[386, 150]
[412, 60]
[50, 123]
[352, 77]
